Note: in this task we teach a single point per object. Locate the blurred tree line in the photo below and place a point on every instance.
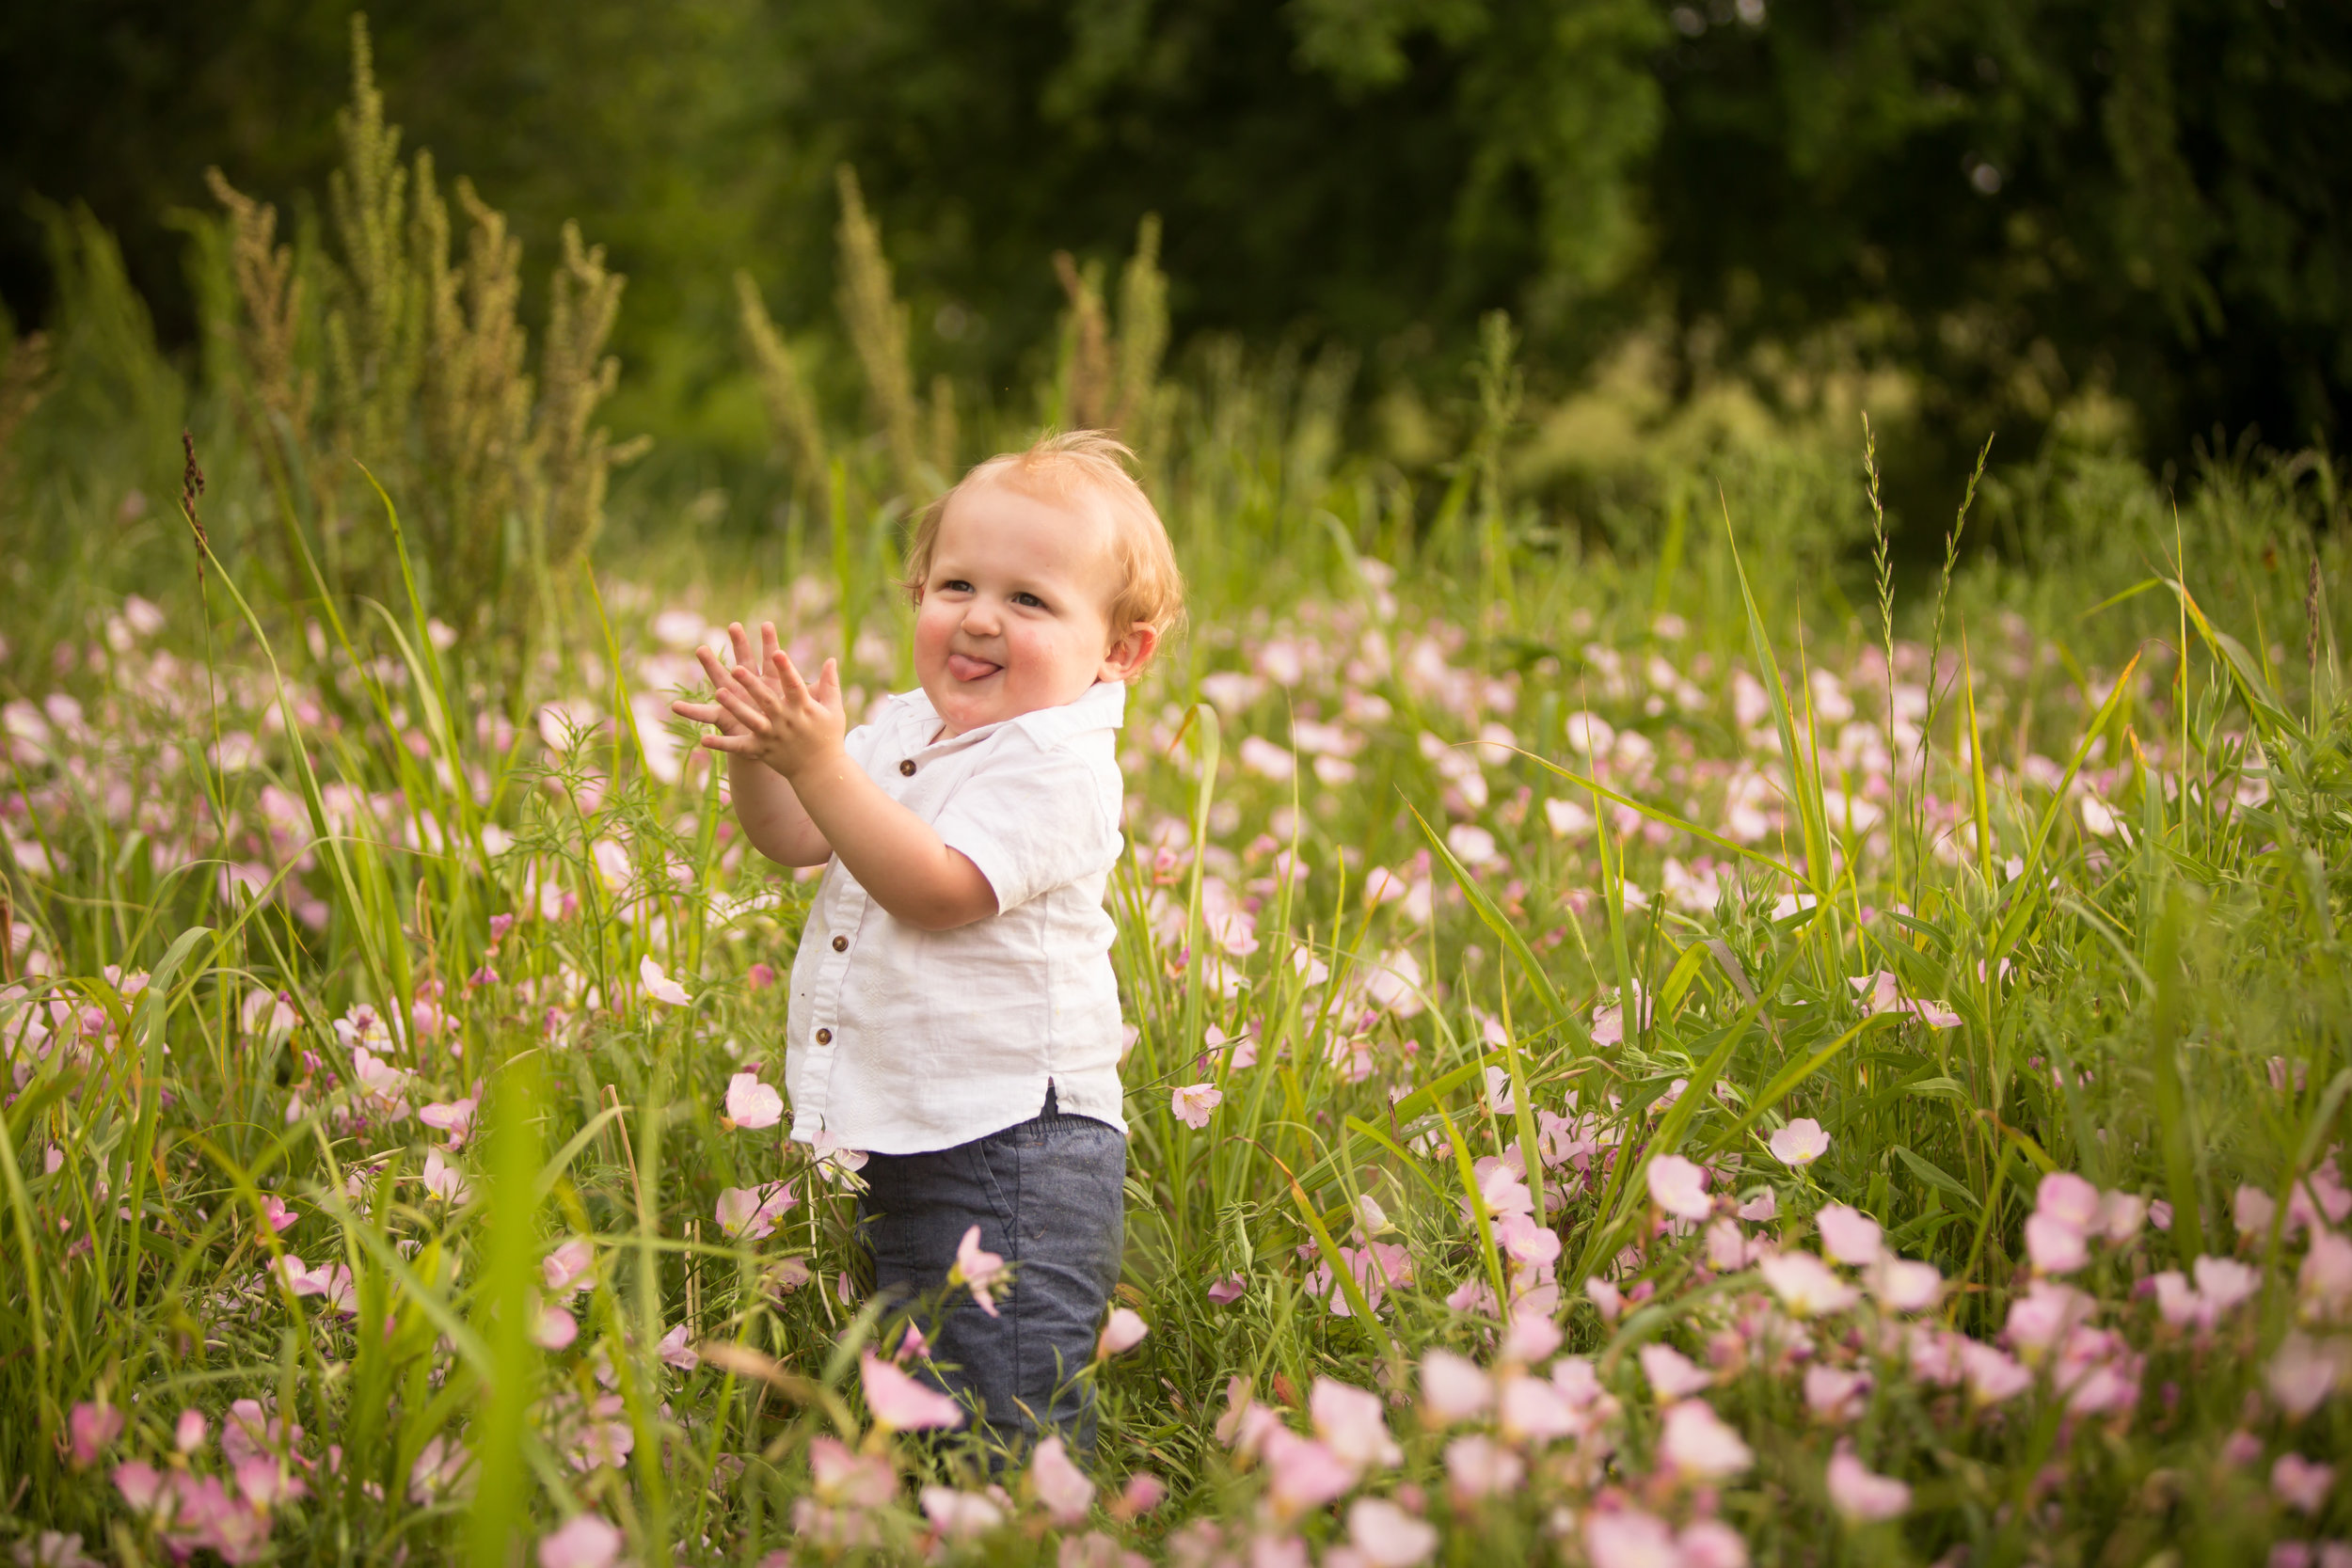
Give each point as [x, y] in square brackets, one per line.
[2015, 201]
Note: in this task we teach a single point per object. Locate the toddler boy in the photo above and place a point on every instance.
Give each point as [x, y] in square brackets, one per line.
[953, 1011]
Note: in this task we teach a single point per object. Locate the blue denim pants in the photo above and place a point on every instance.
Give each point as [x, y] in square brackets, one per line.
[1049, 1196]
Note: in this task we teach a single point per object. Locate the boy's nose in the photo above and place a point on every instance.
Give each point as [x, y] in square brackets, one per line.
[980, 618]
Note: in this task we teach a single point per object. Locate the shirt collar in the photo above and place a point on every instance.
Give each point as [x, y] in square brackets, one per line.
[1101, 707]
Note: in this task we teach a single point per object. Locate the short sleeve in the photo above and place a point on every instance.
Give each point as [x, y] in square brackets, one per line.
[858, 746]
[1033, 821]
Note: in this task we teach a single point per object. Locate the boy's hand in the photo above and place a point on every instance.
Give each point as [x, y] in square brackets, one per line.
[771, 715]
[774, 815]
[724, 679]
[710, 712]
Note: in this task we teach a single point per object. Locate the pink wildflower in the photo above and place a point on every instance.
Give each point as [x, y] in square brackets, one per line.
[901, 1404]
[1530, 1410]
[2318, 1198]
[1994, 1376]
[2069, 1199]
[2045, 1315]
[1478, 1467]
[583, 1541]
[1527, 1241]
[1903, 1285]
[2121, 1216]
[1695, 1444]
[441, 1464]
[1348, 1419]
[2177, 1301]
[1799, 1143]
[841, 1475]
[93, 1429]
[1501, 1189]
[1805, 1285]
[1245, 1424]
[1061, 1486]
[455, 1118]
[2301, 1373]
[1712, 1544]
[556, 1328]
[1880, 995]
[1673, 1374]
[960, 1515]
[1143, 1493]
[1835, 1393]
[752, 1104]
[1452, 1388]
[1192, 1104]
[2252, 1209]
[1530, 1337]
[2053, 1246]
[444, 1181]
[2325, 1281]
[2225, 1282]
[1726, 1246]
[1374, 1267]
[1679, 1187]
[977, 1271]
[658, 986]
[1862, 1496]
[1122, 1332]
[750, 1213]
[141, 1485]
[1387, 1535]
[1848, 1235]
[675, 1350]
[1303, 1474]
[2301, 1484]
[568, 1268]
[1628, 1537]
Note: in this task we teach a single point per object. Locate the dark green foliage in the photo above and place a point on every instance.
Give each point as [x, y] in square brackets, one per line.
[2020, 200]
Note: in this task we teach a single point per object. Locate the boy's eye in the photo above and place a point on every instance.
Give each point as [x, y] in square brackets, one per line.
[1029, 599]
[955, 585]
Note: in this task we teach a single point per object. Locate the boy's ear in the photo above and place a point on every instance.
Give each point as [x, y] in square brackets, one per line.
[1130, 653]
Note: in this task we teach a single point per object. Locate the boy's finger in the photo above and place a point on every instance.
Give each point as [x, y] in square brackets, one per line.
[767, 641]
[717, 671]
[738, 745]
[699, 713]
[829, 684]
[741, 640]
[795, 688]
[755, 689]
[743, 712]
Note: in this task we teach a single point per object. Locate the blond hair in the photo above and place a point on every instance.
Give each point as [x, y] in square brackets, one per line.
[1074, 462]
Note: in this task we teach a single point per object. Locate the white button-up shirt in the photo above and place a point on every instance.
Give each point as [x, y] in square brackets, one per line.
[901, 1041]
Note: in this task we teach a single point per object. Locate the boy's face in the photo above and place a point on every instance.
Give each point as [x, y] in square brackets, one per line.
[1013, 614]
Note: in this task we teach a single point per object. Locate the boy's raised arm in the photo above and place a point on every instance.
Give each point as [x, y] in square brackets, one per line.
[899, 859]
[771, 813]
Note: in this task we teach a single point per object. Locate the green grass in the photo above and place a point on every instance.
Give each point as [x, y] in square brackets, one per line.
[2100, 815]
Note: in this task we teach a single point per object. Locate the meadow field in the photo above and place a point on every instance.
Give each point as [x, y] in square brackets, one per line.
[1666, 1037]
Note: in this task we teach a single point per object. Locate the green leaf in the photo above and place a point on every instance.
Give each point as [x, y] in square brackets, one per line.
[1936, 1176]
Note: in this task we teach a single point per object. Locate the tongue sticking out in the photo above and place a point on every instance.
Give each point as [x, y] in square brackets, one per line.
[965, 668]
